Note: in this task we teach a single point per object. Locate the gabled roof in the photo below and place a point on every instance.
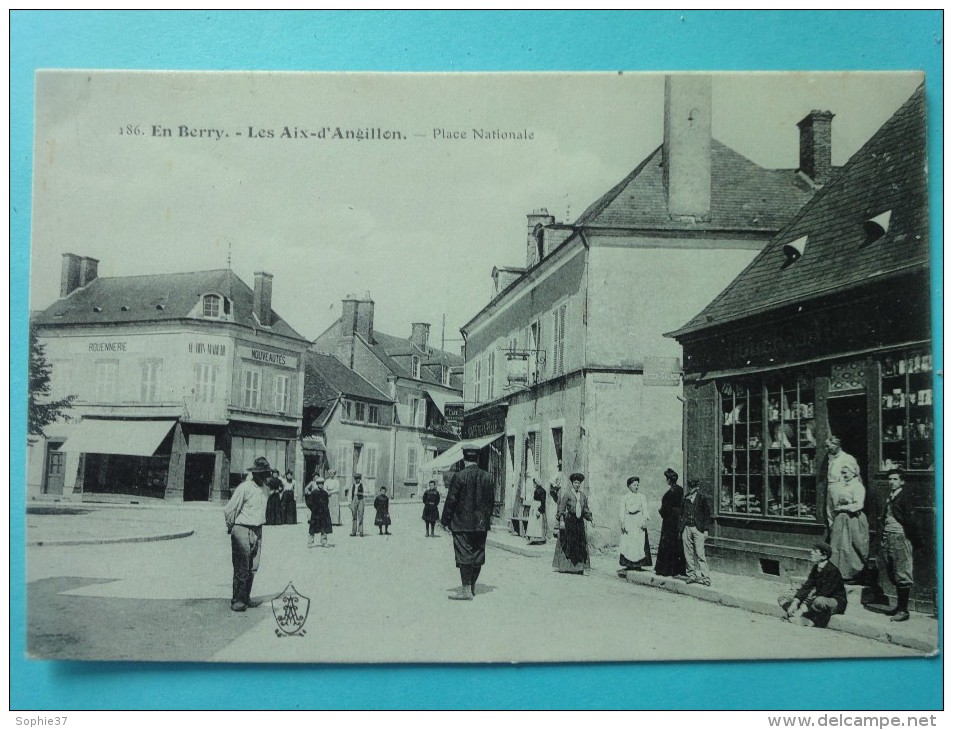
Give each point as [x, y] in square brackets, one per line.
[391, 350]
[743, 196]
[327, 378]
[157, 298]
[887, 173]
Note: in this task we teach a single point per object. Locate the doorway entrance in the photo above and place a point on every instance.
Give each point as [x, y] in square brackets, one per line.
[55, 469]
[847, 416]
[199, 475]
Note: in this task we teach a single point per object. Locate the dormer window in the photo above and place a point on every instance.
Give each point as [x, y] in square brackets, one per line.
[212, 306]
[446, 375]
[415, 367]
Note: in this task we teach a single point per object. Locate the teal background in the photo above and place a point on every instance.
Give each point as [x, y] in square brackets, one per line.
[453, 41]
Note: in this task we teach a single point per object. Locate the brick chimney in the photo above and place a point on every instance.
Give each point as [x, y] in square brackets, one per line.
[88, 270]
[348, 316]
[365, 318]
[816, 145]
[262, 301]
[686, 146]
[420, 334]
[70, 275]
[535, 236]
[503, 276]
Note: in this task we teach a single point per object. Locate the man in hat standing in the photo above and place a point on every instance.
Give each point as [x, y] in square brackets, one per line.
[898, 536]
[822, 594]
[244, 516]
[357, 506]
[466, 514]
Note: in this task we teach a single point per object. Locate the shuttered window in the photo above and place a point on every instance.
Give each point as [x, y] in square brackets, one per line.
[559, 339]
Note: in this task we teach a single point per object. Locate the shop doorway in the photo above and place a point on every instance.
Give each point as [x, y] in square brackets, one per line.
[199, 475]
[847, 416]
[55, 469]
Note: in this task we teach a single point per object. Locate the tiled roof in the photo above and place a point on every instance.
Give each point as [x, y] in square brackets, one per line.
[743, 196]
[157, 298]
[887, 173]
[326, 378]
[392, 350]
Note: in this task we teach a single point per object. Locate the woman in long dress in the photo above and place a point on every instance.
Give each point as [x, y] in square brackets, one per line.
[333, 487]
[537, 529]
[317, 498]
[634, 551]
[850, 535]
[671, 554]
[273, 505]
[572, 550]
[289, 507]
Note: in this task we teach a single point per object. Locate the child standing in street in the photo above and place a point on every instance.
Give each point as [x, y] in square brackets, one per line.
[382, 506]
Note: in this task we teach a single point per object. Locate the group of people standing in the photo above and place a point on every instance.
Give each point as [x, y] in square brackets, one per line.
[681, 547]
[281, 507]
[321, 498]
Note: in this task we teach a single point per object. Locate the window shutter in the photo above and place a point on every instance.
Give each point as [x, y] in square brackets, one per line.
[701, 434]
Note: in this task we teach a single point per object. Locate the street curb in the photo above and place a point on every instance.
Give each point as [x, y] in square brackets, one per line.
[752, 605]
[524, 551]
[111, 541]
[837, 623]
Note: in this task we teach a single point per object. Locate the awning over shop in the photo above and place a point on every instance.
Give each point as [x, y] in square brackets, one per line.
[452, 455]
[313, 445]
[132, 438]
[441, 399]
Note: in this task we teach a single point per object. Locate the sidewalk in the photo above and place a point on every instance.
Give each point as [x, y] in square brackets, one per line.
[757, 595]
[76, 523]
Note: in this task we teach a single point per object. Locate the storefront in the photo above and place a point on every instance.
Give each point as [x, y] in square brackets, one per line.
[758, 417]
[826, 333]
[488, 424]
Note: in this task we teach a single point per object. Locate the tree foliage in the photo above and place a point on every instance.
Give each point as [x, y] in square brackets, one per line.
[42, 409]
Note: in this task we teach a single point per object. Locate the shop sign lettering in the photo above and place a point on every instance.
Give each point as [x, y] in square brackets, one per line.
[268, 357]
[208, 348]
[120, 346]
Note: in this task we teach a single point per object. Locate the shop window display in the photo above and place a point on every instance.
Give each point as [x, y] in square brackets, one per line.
[742, 450]
[906, 411]
[769, 446]
[792, 449]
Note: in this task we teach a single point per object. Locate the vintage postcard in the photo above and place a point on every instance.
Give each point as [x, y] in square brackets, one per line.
[390, 368]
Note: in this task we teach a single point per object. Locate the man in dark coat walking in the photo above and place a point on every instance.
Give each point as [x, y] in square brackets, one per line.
[466, 514]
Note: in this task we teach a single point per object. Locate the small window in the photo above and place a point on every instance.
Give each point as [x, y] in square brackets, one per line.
[415, 366]
[359, 411]
[282, 393]
[373, 414]
[211, 306]
[446, 375]
[252, 390]
[346, 408]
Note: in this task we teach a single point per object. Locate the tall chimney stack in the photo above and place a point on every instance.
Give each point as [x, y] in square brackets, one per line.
[365, 318]
[686, 146]
[816, 145]
[420, 334]
[262, 300]
[88, 270]
[535, 244]
[70, 275]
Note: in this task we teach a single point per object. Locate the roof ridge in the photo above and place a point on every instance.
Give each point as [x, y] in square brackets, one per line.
[603, 202]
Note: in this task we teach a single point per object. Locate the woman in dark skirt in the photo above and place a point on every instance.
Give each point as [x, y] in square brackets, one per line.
[273, 505]
[382, 505]
[572, 551]
[431, 502]
[317, 499]
[671, 555]
[289, 507]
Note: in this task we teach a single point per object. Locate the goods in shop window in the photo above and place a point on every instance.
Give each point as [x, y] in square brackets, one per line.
[782, 436]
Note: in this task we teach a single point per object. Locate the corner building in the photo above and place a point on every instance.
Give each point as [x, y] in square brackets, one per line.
[569, 363]
[181, 380]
